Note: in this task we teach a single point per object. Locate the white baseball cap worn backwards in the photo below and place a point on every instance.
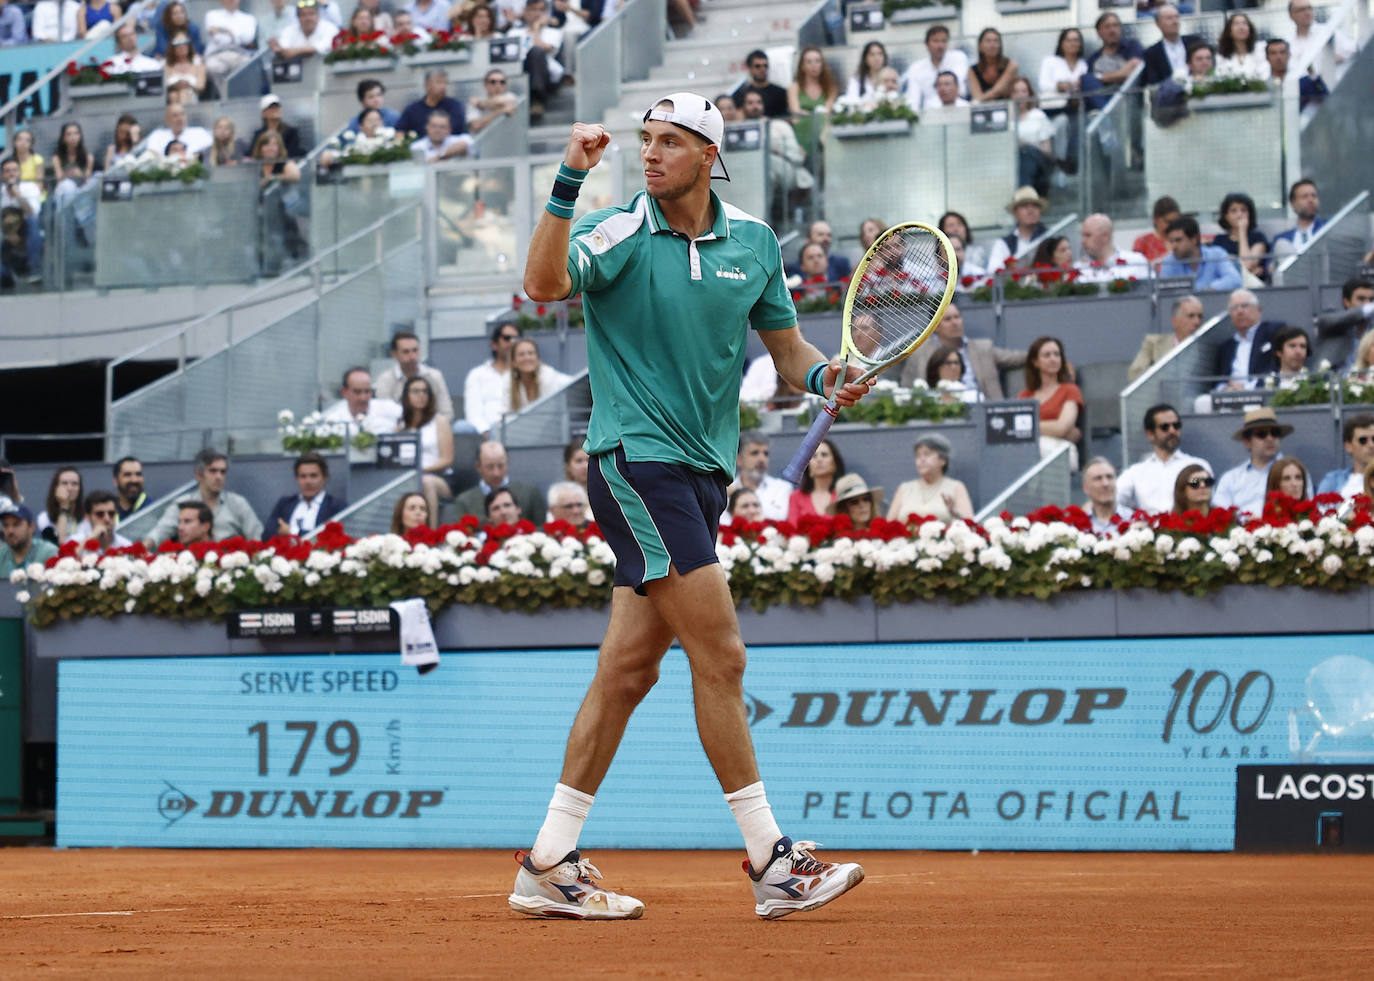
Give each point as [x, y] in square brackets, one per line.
[698, 116]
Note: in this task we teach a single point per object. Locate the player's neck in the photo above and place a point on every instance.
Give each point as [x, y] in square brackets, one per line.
[692, 214]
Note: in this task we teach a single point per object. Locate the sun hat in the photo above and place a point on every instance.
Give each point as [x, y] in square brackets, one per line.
[1027, 195]
[1263, 416]
[852, 486]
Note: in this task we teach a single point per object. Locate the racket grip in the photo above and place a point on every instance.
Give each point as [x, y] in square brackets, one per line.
[824, 420]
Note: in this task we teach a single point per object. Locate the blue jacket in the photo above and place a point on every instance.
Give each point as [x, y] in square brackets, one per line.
[1262, 354]
[1289, 235]
[1334, 481]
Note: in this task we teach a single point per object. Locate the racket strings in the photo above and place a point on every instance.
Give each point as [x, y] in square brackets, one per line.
[898, 294]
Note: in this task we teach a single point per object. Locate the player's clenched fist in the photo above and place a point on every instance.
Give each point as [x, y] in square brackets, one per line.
[586, 145]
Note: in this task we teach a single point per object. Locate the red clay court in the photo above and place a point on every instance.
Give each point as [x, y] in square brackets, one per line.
[442, 914]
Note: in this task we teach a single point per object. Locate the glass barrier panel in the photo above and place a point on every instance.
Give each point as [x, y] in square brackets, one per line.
[475, 218]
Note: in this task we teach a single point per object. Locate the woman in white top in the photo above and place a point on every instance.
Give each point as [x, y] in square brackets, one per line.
[1061, 79]
[864, 85]
[530, 378]
[184, 65]
[1238, 50]
[1035, 134]
[931, 493]
[421, 414]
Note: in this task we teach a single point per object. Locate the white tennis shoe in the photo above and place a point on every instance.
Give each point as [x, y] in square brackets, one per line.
[568, 890]
[796, 881]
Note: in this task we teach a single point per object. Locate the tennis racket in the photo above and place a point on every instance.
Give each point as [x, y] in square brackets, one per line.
[896, 297]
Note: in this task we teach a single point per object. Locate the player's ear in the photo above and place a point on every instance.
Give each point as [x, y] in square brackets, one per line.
[709, 153]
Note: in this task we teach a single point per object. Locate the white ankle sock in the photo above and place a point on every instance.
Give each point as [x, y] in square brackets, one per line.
[750, 807]
[568, 809]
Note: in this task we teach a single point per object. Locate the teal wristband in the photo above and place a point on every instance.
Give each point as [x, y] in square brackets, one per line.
[815, 378]
[565, 190]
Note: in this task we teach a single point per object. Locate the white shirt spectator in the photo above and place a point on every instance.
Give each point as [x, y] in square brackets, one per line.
[389, 384]
[382, 416]
[197, 139]
[550, 36]
[1122, 264]
[1034, 128]
[435, 17]
[919, 80]
[550, 380]
[773, 495]
[321, 40]
[1054, 70]
[305, 515]
[1299, 48]
[1252, 65]
[51, 23]
[272, 22]
[999, 253]
[760, 380]
[83, 532]
[484, 394]
[137, 62]
[1149, 485]
[26, 193]
[1245, 486]
[229, 28]
[434, 152]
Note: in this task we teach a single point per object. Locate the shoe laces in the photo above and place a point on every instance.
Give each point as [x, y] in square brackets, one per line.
[803, 861]
[586, 871]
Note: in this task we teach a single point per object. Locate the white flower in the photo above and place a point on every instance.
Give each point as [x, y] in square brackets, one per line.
[285, 417]
[1332, 564]
[596, 577]
[22, 596]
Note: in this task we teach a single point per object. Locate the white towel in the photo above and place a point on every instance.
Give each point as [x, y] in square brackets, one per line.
[417, 636]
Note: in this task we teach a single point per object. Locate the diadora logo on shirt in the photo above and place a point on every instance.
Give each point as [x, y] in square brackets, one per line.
[734, 272]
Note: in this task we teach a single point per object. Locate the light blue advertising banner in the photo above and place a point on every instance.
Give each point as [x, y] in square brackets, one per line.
[1107, 745]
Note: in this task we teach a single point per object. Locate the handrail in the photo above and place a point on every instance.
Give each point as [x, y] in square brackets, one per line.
[1149, 376]
[1288, 261]
[1058, 226]
[994, 507]
[1292, 142]
[1121, 91]
[9, 107]
[388, 488]
[151, 512]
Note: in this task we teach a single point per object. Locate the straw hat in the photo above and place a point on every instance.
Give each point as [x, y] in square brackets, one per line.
[852, 486]
[1261, 417]
[1027, 195]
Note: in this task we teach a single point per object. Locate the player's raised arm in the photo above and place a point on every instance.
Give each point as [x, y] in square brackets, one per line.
[546, 267]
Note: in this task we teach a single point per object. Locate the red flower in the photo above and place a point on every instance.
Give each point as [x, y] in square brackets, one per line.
[796, 296]
[516, 301]
[541, 310]
[71, 68]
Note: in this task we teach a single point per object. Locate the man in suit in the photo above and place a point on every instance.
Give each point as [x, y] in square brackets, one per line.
[1185, 317]
[493, 471]
[983, 362]
[310, 508]
[1170, 53]
[1248, 354]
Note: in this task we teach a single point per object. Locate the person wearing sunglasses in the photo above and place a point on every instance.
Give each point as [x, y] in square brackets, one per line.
[1244, 486]
[487, 386]
[1193, 490]
[496, 100]
[1148, 486]
[1358, 434]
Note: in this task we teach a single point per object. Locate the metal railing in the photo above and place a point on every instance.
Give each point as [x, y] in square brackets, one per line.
[1048, 482]
[623, 47]
[1172, 379]
[139, 526]
[552, 420]
[1333, 253]
[372, 514]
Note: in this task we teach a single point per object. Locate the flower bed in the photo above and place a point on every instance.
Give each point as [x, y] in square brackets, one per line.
[93, 73]
[540, 316]
[314, 434]
[349, 47]
[519, 567]
[151, 167]
[892, 404]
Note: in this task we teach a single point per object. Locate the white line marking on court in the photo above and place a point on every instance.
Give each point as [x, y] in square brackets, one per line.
[108, 912]
[471, 895]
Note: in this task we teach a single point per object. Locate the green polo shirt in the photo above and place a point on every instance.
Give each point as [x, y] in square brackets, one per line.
[667, 321]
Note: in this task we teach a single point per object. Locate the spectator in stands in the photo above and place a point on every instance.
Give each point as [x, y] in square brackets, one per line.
[1357, 433]
[990, 77]
[1061, 81]
[12, 28]
[195, 523]
[311, 35]
[496, 101]
[933, 493]
[231, 41]
[530, 378]
[231, 513]
[836, 266]
[1238, 51]
[1151, 244]
[1193, 490]
[1201, 63]
[362, 24]
[919, 80]
[501, 508]
[1049, 380]
[411, 511]
[439, 142]
[127, 135]
[24, 199]
[774, 96]
[486, 385]
[1026, 206]
[817, 489]
[946, 97]
[371, 95]
[415, 118]
[751, 471]
[953, 223]
[813, 89]
[1113, 63]
[1099, 484]
[1054, 255]
[421, 415]
[855, 499]
[1035, 134]
[183, 65]
[311, 506]
[102, 514]
[480, 21]
[786, 158]
[742, 505]
[1289, 476]
[945, 371]
[16, 261]
[809, 270]
[55, 20]
[729, 111]
[405, 351]
[21, 548]
[269, 106]
[273, 18]
[1248, 355]
[128, 480]
[93, 13]
[493, 471]
[1208, 265]
[1243, 486]
[62, 511]
[865, 81]
[871, 228]
[575, 463]
[274, 169]
[1102, 261]
[432, 15]
[360, 409]
[381, 20]
[9, 485]
[1149, 484]
[983, 362]
[1305, 44]
[224, 151]
[540, 44]
[1311, 88]
[1169, 55]
[70, 158]
[127, 57]
[568, 502]
[1241, 236]
[1292, 348]
[1185, 316]
[195, 138]
[30, 163]
[173, 21]
[1306, 205]
[1355, 292]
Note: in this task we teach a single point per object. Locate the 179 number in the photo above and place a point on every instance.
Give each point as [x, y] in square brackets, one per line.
[340, 738]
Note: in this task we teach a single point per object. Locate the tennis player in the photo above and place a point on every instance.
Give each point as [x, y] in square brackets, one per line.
[670, 284]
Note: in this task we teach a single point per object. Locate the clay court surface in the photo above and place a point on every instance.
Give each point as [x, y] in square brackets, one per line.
[442, 914]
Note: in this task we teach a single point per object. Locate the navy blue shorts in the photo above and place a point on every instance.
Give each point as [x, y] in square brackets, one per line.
[655, 514]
